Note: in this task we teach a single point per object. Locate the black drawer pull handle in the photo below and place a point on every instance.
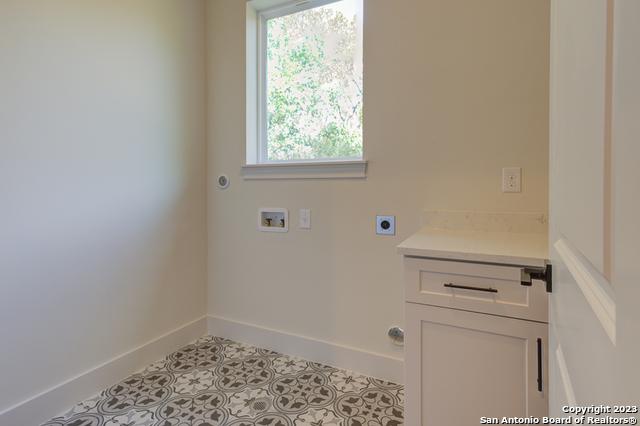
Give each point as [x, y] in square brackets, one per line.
[539, 364]
[467, 287]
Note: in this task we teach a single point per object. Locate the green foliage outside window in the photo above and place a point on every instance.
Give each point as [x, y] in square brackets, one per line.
[314, 86]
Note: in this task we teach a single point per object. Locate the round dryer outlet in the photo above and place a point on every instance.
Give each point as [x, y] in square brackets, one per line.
[396, 334]
[223, 181]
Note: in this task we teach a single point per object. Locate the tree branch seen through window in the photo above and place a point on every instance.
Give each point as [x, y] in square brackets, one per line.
[314, 83]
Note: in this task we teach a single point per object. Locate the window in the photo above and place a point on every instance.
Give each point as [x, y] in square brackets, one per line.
[309, 83]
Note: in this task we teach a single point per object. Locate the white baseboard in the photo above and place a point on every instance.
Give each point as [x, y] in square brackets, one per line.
[63, 396]
[348, 358]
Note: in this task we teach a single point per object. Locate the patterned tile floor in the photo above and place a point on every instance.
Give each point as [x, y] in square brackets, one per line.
[219, 382]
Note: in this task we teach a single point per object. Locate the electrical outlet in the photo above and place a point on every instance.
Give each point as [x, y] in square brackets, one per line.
[304, 219]
[512, 179]
[386, 225]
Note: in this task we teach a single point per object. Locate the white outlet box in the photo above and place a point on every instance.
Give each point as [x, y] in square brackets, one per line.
[304, 219]
[386, 225]
[273, 219]
[512, 179]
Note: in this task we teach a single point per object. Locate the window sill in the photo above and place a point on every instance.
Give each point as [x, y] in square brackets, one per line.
[306, 170]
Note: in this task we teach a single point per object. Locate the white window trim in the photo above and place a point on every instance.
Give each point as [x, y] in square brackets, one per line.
[356, 169]
[256, 165]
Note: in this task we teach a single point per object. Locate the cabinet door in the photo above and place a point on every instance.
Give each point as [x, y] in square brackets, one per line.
[461, 366]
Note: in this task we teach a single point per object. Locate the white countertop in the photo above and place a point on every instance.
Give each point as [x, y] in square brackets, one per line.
[508, 248]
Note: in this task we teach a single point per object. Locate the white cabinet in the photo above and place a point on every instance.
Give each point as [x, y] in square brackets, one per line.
[465, 365]
[475, 343]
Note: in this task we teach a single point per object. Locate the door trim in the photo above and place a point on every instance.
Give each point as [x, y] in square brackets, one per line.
[593, 284]
[569, 394]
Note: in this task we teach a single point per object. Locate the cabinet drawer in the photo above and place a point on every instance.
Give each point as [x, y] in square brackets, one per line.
[491, 289]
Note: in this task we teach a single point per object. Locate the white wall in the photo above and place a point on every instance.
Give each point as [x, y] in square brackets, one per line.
[454, 91]
[102, 182]
[102, 166]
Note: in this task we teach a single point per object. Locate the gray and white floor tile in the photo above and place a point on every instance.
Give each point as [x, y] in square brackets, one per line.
[218, 382]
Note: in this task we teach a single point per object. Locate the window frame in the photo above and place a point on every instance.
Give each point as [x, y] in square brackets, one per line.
[261, 139]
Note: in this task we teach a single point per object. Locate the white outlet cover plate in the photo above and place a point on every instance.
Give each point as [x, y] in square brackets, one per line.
[512, 179]
[391, 230]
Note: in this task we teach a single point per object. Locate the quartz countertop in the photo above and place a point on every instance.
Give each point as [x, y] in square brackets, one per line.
[509, 248]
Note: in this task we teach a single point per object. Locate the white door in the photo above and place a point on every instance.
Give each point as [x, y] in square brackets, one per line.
[595, 203]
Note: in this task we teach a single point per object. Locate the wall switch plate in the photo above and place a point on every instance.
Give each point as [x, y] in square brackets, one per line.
[304, 219]
[512, 179]
[386, 225]
[273, 219]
